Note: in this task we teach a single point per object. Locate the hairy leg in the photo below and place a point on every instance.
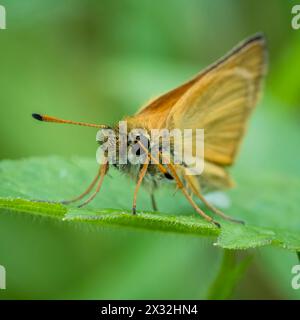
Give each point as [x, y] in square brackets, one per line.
[210, 206]
[138, 184]
[87, 191]
[103, 171]
[153, 202]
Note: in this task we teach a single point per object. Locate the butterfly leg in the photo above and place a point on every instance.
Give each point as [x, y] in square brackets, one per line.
[87, 191]
[180, 186]
[103, 171]
[153, 202]
[189, 198]
[138, 184]
[210, 206]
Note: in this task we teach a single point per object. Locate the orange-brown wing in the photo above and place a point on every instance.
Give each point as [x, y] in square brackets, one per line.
[155, 113]
[221, 101]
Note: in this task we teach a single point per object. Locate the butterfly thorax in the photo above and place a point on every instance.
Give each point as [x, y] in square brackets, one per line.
[129, 156]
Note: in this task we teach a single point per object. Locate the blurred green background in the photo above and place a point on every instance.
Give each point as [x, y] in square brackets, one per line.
[98, 61]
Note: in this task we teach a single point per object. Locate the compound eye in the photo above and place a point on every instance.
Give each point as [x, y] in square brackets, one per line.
[143, 139]
[136, 150]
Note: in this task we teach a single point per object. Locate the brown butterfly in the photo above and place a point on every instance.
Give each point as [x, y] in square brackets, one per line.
[220, 100]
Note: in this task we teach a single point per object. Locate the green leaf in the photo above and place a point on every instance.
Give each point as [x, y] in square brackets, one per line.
[271, 219]
[229, 275]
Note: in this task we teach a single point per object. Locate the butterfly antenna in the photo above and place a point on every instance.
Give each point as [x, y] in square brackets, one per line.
[47, 118]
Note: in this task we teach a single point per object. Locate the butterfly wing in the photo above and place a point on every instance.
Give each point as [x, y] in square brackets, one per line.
[218, 100]
[155, 113]
[222, 100]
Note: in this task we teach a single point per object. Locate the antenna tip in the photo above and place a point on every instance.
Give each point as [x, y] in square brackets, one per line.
[37, 116]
